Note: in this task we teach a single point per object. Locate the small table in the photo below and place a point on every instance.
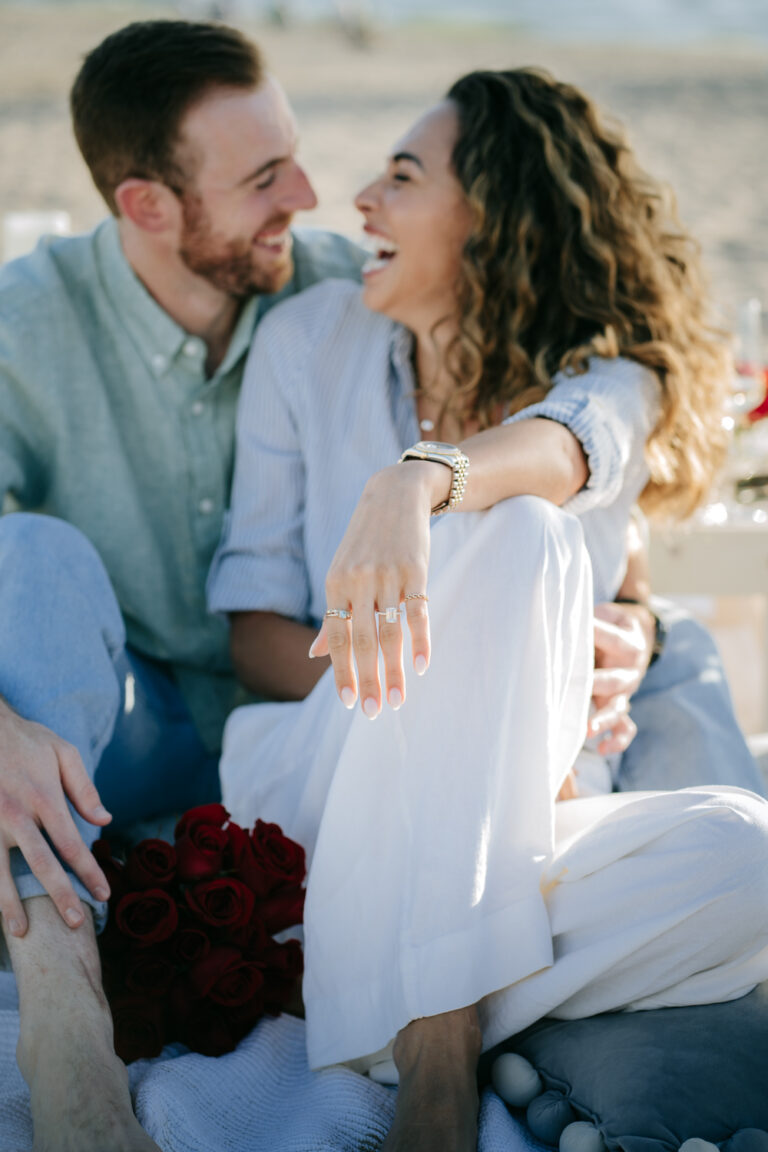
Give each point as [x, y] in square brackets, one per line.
[724, 553]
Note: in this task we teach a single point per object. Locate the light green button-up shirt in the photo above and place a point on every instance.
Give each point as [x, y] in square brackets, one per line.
[107, 420]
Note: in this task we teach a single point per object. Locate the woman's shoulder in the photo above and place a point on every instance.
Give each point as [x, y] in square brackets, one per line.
[329, 311]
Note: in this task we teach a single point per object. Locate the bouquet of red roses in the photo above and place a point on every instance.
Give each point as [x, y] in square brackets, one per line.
[188, 953]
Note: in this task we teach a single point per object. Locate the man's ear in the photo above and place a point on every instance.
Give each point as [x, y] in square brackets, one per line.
[148, 204]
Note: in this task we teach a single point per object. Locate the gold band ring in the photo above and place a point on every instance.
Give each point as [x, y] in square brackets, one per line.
[416, 596]
[338, 613]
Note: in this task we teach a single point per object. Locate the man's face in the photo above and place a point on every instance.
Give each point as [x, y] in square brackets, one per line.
[245, 188]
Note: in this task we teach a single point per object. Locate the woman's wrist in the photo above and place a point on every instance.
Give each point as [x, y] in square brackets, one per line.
[429, 481]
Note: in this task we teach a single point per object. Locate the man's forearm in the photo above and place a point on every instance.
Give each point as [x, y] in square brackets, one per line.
[270, 655]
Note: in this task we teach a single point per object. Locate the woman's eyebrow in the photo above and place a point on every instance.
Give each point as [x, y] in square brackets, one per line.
[407, 156]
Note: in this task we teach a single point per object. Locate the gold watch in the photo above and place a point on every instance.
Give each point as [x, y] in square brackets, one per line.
[453, 458]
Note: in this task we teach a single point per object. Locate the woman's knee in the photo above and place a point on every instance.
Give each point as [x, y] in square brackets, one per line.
[736, 836]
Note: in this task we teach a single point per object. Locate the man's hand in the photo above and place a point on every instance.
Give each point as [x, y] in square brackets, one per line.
[38, 771]
[624, 635]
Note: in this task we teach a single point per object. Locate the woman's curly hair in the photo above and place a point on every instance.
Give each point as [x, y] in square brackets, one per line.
[575, 252]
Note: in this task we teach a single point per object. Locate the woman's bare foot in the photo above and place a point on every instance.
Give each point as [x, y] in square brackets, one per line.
[437, 1099]
[78, 1086]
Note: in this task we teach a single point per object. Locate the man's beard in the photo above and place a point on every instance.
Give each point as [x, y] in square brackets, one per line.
[232, 266]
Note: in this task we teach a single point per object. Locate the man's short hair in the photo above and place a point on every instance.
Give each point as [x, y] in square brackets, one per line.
[133, 90]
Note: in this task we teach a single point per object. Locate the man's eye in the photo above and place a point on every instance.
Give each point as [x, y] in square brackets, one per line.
[402, 177]
[266, 183]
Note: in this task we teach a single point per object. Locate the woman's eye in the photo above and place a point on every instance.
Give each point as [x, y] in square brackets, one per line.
[266, 183]
[401, 176]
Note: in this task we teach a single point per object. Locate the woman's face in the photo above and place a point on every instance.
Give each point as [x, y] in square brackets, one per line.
[417, 220]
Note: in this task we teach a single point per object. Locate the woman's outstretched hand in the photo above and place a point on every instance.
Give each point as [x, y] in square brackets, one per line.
[381, 563]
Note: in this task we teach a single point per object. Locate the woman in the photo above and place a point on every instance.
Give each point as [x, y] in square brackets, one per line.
[531, 302]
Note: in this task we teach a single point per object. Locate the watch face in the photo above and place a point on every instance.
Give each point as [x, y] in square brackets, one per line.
[437, 446]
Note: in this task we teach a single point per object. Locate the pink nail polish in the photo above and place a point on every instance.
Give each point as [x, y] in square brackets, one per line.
[395, 699]
[420, 665]
[348, 697]
[371, 708]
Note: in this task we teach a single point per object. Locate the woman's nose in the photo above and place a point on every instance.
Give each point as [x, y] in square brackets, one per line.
[367, 197]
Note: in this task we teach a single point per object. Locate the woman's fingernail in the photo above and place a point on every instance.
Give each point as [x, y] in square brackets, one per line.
[14, 927]
[347, 697]
[395, 698]
[420, 664]
[371, 708]
[312, 649]
[73, 917]
[101, 893]
[101, 813]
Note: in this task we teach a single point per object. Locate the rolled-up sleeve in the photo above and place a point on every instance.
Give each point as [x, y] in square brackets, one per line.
[611, 409]
[259, 564]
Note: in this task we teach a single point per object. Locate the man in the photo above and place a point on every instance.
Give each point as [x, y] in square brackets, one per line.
[121, 355]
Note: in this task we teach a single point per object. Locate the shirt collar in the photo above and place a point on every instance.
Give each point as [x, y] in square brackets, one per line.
[157, 336]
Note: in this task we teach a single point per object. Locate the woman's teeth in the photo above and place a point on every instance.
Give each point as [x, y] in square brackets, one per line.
[383, 251]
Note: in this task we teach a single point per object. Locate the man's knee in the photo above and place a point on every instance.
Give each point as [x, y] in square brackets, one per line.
[51, 566]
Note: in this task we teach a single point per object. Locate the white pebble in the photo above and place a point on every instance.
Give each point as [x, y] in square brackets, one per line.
[581, 1137]
[515, 1079]
[696, 1145]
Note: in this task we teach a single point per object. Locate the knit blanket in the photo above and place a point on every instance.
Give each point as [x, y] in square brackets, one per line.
[260, 1098]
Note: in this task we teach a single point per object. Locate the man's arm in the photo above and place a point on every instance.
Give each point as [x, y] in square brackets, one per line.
[270, 654]
[625, 632]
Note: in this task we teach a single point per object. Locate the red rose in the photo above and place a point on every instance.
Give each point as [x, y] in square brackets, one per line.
[210, 1030]
[148, 917]
[225, 978]
[252, 939]
[283, 966]
[139, 1027]
[200, 852]
[282, 859]
[151, 864]
[283, 910]
[112, 869]
[189, 944]
[214, 814]
[222, 903]
[242, 860]
[149, 974]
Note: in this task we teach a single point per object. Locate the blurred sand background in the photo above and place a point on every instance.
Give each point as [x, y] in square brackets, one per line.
[697, 114]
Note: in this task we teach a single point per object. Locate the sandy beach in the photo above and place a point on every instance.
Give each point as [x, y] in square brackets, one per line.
[695, 114]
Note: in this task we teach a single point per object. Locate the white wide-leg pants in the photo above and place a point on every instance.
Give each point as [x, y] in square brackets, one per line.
[438, 877]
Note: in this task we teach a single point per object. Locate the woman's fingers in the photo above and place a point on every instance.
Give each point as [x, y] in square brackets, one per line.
[365, 642]
[417, 614]
[391, 643]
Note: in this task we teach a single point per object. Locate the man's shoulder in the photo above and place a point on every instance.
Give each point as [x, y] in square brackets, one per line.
[36, 287]
[320, 255]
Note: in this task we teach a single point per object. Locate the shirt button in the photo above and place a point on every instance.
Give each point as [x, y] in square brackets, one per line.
[197, 408]
[158, 363]
[191, 348]
[205, 507]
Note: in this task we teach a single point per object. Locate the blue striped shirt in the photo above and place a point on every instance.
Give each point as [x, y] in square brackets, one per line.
[328, 399]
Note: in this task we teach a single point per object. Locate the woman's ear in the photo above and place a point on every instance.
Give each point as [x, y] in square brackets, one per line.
[148, 204]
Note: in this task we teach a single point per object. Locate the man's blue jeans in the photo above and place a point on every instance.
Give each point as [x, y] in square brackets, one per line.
[65, 664]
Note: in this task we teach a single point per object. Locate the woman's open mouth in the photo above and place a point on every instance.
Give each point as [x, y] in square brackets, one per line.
[383, 252]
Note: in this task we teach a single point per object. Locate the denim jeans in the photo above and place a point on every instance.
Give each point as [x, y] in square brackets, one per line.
[64, 663]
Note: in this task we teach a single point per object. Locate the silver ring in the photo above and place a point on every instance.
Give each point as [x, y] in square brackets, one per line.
[338, 613]
[391, 615]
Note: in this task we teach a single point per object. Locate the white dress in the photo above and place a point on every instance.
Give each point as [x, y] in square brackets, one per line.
[442, 873]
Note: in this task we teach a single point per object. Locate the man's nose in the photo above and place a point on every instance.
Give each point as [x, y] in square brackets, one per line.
[299, 193]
